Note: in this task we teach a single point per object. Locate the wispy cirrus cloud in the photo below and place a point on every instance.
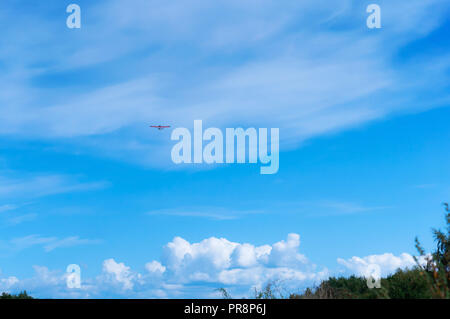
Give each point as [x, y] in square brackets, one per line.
[306, 68]
[25, 185]
[425, 186]
[19, 219]
[216, 213]
[317, 208]
[327, 207]
[346, 208]
[7, 207]
[25, 189]
[47, 243]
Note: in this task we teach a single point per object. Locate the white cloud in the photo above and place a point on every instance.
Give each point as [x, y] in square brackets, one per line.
[47, 243]
[45, 283]
[187, 268]
[15, 220]
[196, 269]
[238, 265]
[330, 208]
[216, 213]
[155, 267]
[308, 69]
[7, 207]
[48, 282]
[23, 185]
[20, 243]
[7, 283]
[25, 188]
[118, 274]
[387, 262]
[69, 242]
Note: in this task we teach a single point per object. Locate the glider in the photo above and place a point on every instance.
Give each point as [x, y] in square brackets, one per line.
[160, 127]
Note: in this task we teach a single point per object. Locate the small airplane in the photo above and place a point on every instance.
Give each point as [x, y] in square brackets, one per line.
[160, 127]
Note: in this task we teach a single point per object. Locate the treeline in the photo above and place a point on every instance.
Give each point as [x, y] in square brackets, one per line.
[21, 295]
[424, 281]
[404, 284]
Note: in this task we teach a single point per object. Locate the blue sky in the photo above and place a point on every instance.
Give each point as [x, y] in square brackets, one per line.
[364, 129]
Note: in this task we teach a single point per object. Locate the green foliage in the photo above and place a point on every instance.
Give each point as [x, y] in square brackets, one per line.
[407, 284]
[437, 268]
[270, 291]
[339, 288]
[403, 284]
[431, 280]
[225, 294]
[352, 287]
[422, 282]
[21, 295]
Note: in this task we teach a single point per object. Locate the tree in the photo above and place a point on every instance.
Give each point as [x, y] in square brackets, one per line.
[437, 267]
[21, 295]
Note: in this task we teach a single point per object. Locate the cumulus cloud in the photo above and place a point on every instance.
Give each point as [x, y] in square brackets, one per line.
[212, 262]
[387, 262]
[46, 283]
[7, 283]
[218, 260]
[196, 269]
[118, 273]
[155, 267]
